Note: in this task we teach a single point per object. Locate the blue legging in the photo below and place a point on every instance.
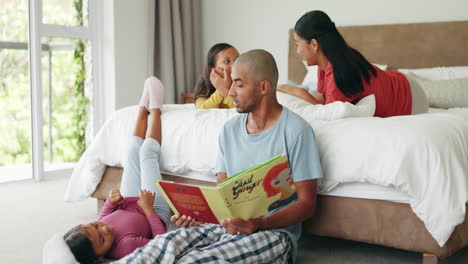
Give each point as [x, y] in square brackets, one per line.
[141, 168]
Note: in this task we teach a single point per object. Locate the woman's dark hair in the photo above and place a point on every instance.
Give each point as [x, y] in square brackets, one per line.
[80, 245]
[349, 66]
[204, 88]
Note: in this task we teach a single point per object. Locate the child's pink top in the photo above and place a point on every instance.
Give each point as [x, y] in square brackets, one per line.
[132, 229]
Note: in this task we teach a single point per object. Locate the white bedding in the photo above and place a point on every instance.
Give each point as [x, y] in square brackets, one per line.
[424, 157]
[189, 136]
[365, 190]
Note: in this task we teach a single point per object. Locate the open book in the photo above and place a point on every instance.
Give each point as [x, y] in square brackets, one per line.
[246, 195]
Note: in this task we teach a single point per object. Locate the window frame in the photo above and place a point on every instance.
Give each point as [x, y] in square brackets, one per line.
[36, 31]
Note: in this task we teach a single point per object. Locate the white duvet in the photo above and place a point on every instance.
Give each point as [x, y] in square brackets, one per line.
[423, 156]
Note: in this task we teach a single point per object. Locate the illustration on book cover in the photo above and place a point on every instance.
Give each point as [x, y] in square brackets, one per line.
[249, 194]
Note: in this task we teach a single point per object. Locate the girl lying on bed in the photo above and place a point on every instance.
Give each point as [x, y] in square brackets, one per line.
[345, 75]
[211, 90]
[131, 222]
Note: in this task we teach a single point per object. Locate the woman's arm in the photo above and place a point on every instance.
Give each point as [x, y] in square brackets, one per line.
[320, 97]
[301, 93]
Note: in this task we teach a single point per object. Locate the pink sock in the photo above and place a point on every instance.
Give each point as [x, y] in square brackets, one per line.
[156, 92]
[144, 101]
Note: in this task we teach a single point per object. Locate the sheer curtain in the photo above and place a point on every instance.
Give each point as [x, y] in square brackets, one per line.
[177, 46]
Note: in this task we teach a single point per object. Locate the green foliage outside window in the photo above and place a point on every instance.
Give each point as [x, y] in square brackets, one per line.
[80, 117]
[14, 101]
[69, 103]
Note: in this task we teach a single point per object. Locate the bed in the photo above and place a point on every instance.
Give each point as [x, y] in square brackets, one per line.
[395, 209]
[387, 219]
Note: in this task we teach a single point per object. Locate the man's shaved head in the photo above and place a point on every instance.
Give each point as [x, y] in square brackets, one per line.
[260, 65]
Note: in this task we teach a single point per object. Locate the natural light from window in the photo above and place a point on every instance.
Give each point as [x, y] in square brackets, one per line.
[64, 103]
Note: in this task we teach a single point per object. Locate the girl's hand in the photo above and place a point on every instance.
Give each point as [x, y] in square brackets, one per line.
[221, 80]
[146, 201]
[184, 221]
[115, 197]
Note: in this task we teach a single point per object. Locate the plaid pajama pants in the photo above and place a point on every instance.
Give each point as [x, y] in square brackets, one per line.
[211, 243]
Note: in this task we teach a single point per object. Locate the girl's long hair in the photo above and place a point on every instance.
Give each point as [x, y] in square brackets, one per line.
[204, 88]
[349, 66]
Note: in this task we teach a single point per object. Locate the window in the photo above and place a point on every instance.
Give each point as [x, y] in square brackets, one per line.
[46, 85]
[65, 12]
[15, 117]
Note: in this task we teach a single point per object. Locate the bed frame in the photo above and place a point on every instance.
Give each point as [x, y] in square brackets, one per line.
[381, 222]
[373, 221]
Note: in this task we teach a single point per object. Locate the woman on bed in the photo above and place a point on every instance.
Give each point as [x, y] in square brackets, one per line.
[345, 75]
[211, 90]
[137, 213]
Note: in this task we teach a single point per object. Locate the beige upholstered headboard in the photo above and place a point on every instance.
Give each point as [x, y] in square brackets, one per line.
[417, 45]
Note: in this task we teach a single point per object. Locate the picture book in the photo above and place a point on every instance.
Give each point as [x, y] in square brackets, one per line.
[245, 195]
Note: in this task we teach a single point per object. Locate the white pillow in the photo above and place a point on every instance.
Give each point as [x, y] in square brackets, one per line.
[439, 73]
[310, 80]
[56, 251]
[443, 93]
[336, 110]
[383, 67]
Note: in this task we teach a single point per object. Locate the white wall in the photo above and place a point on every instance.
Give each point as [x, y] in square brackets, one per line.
[133, 55]
[251, 24]
[103, 65]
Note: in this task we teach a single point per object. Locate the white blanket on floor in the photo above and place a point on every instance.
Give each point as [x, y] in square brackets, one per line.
[423, 156]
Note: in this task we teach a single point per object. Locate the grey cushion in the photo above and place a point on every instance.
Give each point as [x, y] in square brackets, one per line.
[443, 93]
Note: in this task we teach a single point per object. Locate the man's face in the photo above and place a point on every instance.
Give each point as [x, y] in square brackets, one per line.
[244, 89]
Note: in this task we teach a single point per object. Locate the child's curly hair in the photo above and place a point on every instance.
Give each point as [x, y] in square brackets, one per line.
[80, 245]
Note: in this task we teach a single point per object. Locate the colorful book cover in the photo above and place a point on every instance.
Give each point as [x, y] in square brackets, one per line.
[246, 195]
